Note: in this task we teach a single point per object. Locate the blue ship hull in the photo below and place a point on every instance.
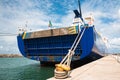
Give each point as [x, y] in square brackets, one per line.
[54, 48]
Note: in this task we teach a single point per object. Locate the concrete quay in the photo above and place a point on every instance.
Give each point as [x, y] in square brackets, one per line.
[106, 68]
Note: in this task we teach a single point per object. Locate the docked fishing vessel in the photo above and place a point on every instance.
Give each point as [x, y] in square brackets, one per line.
[53, 44]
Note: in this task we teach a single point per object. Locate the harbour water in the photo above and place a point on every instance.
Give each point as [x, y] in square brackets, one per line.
[23, 69]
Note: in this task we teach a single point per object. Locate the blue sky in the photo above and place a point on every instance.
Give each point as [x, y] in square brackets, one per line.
[37, 13]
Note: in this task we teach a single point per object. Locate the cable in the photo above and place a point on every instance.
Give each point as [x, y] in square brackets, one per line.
[8, 34]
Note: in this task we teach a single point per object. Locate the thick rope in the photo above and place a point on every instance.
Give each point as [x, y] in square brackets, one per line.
[67, 59]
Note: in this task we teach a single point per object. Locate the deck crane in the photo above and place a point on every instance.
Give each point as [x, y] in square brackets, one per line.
[62, 70]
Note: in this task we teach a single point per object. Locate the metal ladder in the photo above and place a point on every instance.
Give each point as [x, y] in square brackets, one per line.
[63, 69]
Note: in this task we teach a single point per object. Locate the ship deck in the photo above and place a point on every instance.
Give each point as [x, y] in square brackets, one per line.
[52, 32]
[106, 68]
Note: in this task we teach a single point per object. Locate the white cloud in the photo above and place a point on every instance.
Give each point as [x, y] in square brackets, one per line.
[114, 45]
[115, 41]
[9, 39]
[67, 19]
[1, 47]
[119, 12]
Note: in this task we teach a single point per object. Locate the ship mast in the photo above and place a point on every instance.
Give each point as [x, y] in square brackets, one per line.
[80, 10]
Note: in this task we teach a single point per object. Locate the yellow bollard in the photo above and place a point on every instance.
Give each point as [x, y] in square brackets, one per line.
[62, 67]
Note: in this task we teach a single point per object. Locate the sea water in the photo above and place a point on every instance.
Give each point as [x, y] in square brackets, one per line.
[23, 69]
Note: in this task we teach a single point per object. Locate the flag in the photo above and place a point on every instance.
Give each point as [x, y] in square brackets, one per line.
[50, 24]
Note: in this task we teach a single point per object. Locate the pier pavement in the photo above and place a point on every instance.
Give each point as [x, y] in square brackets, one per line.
[106, 68]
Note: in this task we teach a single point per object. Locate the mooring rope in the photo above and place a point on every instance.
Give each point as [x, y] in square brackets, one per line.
[61, 73]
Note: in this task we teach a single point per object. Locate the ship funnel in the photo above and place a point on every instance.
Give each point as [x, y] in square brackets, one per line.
[77, 14]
